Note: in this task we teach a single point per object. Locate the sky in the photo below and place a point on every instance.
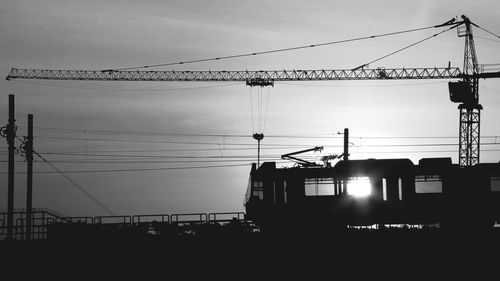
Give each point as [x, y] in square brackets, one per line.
[186, 147]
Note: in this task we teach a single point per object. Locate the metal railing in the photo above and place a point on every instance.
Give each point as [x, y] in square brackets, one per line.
[225, 217]
[162, 218]
[42, 219]
[182, 219]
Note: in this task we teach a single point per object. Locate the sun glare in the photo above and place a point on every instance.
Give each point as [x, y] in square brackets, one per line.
[359, 187]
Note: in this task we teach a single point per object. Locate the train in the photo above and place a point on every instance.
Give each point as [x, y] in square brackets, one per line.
[375, 192]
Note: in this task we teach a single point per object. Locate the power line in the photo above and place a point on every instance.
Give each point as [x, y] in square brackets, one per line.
[155, 156]
[96, 131]
[133, 170]
[82, 161]
[181, 168]
[229, 144]
[139, 141]
[305, 136]
[80, 188]
[356, 145]
[222, 160]
[166, 142]
[90, 152]
[420, 151]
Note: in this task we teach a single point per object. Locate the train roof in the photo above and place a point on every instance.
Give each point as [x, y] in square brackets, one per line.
[377, 166]
[371, 166]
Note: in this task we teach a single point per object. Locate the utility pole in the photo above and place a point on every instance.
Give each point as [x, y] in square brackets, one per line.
[11, 131]
[29, 187]
[346, 144]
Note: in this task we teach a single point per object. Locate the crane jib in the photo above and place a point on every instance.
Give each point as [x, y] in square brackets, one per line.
[274, 75]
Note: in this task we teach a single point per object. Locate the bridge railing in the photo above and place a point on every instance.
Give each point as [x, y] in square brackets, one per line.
[162, 218]
[43, 219]
[189, 218]
[225, 217]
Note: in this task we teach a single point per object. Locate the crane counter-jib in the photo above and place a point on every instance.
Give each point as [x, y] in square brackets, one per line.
[274, 75]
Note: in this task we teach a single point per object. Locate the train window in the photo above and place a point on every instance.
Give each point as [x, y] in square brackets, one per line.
[319, 186]
[384, 189]
[428, 184]
[400, 188]
[258, 190]
[284, 191]
[495, 182]
[359, 186]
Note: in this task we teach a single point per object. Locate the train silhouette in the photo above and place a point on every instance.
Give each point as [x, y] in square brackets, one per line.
[377, 192]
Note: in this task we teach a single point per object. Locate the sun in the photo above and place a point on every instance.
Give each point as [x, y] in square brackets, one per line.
[359, 186]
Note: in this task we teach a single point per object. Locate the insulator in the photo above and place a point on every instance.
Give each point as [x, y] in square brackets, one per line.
[3, 131]
[22, 147]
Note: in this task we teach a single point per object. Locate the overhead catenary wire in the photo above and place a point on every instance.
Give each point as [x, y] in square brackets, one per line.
[248, 156]
[111, 154]
[419, 151]
[227, 158]
[276, 158]
[233, 158]
[134, 156]
[246, 144]
[126, 161]
[178, 150]
[80, 188]
[183, 134]
[160, 141]
[97, 131]
[226, 143]
[246, 136]
[132, 170]
[208, 166]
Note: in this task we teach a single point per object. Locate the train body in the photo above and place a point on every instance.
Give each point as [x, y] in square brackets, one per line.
[375, 192]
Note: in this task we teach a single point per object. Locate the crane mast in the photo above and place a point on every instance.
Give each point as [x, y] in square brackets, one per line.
[470, 109]
[465, 91]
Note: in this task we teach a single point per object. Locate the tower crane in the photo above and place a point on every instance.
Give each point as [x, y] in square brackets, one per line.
[464, 91]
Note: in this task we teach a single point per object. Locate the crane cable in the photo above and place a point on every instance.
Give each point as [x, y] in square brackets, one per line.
[261, 101]
[406, 47]
[265, 113]
[258, 136]
[283, 49]
[251, 109]
[497, 36]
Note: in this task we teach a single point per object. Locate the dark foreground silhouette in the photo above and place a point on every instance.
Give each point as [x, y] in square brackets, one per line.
[235, 254]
